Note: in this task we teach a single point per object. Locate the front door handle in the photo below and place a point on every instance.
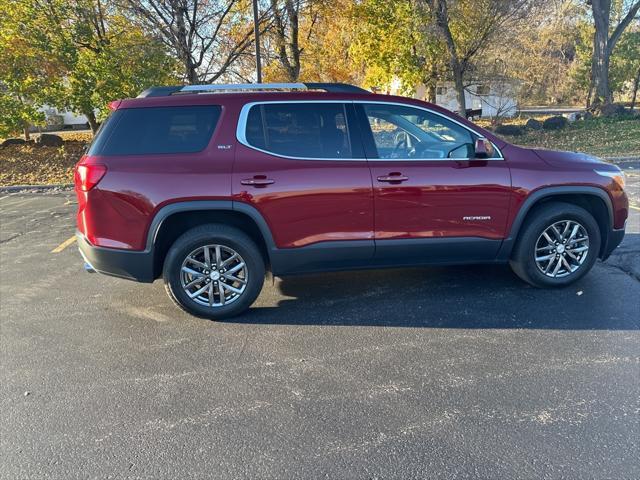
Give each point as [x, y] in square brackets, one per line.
[257, 181]
[393, 177]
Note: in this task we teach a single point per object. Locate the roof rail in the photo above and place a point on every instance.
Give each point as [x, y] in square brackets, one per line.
[219, 88]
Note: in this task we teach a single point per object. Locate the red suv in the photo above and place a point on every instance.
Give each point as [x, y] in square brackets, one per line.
[211, 185]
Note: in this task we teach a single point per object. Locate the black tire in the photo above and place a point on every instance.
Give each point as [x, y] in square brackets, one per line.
[523, 258]
[214, 234]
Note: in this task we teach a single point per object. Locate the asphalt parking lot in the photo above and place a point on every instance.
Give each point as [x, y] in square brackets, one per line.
[461, 372]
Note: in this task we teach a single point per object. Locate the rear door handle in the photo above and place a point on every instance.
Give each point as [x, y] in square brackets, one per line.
[257, 181]
[393, 177]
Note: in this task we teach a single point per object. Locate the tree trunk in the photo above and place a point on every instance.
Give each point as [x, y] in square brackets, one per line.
[600, 69]
[93, 123]
[431, 92]
[183, 44]
[25, 130]
[457, 77]
[636, 84]
[191, 72]
[289, 58]
[294, 45]
[439, 8]
[603, 45]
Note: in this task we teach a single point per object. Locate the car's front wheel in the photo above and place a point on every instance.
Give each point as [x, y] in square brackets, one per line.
[558, 245]
[214, 271]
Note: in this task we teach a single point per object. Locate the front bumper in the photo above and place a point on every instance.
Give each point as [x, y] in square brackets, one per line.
[138, 266]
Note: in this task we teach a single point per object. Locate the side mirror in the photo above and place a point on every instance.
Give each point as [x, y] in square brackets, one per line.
[483, 148]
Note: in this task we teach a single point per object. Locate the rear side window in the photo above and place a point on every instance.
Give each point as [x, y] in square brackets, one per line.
[304, 130]
[139, 131]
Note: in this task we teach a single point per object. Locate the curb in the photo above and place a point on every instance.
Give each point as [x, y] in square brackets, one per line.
[36, 188]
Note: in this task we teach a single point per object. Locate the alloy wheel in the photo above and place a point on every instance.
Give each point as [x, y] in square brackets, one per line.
[214, 275]
[562, 248]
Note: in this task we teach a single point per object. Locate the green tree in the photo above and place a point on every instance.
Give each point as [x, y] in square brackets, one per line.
[24, 74]
[625, 64]
[82, 55]
[103, 56]
[391, 42]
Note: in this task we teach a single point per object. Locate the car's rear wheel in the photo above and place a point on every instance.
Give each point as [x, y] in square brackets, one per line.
[558, 245]
[214, 271]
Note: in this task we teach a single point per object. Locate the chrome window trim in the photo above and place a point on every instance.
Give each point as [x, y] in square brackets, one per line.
[244, 114]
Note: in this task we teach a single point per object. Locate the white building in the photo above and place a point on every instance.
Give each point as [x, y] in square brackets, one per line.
[61, 119]
[493, 97]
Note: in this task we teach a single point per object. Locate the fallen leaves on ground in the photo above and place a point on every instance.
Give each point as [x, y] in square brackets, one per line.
[30, 165]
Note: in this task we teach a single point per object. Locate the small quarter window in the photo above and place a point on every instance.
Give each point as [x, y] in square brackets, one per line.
[155, 130]
[303, 130]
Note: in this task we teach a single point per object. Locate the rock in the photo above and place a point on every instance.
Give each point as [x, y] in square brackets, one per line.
[555, 123]
[574, 116]
[533, 124]
[12, 141]
[509, 130]
[48, 140]
[611, 110]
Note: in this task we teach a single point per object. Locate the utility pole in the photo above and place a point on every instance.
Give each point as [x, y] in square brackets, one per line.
[256, 34]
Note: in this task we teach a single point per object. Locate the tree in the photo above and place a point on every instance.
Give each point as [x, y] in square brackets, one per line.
[75, 56]
[327, 29]
[545, 54]
[80, 55]
[440, 13]
[285, 33]
[302, 35]
[468, 27]
[391, 43]
[625, 64]
[24, 73]
[604, 42]
[207, 37]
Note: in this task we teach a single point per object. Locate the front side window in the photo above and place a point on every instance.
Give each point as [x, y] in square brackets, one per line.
[303, 130]
[401, 132]
[154, 130]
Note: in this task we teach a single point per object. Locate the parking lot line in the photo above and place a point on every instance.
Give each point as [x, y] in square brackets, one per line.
[64, 245]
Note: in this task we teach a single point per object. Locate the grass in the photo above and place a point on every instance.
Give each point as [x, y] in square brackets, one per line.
[602, 137]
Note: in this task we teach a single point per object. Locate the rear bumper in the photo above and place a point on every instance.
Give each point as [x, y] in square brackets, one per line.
[136, 266]
[613, 240]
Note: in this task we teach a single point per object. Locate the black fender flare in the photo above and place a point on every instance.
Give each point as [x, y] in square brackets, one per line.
[534, 197]
[219, 205]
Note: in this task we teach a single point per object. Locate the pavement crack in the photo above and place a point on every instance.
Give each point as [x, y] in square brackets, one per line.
[11, 238]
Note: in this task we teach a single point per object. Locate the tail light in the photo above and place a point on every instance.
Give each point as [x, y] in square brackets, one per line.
[87, 176]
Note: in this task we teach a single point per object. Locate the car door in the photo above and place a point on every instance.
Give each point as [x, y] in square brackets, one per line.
[433, 200]
[298, 165]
